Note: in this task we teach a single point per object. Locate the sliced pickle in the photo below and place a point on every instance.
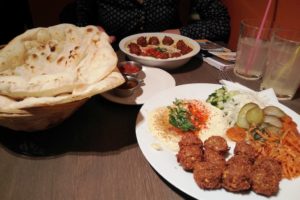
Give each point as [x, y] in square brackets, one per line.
[274, 111]
[273, 121]
[255, 116]
[241, 120]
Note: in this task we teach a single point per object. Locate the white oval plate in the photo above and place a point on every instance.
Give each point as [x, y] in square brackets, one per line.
[165, 163]
[155, 80]
[166, 64]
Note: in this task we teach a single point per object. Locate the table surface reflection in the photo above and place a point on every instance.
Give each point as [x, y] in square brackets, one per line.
[94, 153]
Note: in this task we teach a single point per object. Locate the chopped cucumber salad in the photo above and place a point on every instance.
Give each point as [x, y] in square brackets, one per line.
[219, 97]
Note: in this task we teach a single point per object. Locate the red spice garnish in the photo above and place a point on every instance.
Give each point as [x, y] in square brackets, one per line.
[199, 115]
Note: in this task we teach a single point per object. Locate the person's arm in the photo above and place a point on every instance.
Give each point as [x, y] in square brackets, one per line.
[214, 22]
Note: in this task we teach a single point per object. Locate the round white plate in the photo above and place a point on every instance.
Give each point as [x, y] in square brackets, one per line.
[155, 80]
[165, 163]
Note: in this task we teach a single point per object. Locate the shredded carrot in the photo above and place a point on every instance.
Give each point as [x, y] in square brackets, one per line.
[285, 149]
[288, 123]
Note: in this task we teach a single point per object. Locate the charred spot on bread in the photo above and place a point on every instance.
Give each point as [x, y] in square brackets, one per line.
[89, 30]
[60, 60]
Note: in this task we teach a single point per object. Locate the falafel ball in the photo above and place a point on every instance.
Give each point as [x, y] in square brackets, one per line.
[214, 157]
[236, 175]
[216, 143]
[208, 175]
[188, 156]
[266, 176]
[190, 139]
[243, 148]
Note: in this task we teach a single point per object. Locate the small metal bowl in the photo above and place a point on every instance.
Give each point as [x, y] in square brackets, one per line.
[130, 68]
[127, 88]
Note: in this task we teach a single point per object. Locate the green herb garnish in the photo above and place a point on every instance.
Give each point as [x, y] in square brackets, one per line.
[179, 116]
[160, 49]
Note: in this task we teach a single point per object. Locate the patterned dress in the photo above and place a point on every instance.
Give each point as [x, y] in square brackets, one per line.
[125, 17]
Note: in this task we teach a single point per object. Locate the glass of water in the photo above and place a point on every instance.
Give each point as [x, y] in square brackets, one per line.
[252, 51]
[283, 64]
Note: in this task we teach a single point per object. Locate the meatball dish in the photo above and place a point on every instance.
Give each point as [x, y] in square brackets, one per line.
[160, 48]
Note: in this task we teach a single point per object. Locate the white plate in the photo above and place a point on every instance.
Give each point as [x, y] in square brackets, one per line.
[165, 163]
[155, 80]
[167, 64]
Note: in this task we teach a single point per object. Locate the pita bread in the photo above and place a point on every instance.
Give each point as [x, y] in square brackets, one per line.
[62, 59]
[8, 105]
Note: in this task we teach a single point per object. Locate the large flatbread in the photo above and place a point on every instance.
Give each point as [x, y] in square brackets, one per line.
[8, 105]
[62, 59]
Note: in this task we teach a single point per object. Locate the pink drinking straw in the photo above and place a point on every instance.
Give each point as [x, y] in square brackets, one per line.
[253, 50]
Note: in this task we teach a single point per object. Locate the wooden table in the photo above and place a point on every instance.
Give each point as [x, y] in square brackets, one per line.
[93, 154]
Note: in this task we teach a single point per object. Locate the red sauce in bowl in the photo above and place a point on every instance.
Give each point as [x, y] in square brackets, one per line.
[129, 68]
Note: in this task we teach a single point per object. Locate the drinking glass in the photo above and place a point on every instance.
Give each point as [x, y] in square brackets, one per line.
[252, 52]
[283, 64]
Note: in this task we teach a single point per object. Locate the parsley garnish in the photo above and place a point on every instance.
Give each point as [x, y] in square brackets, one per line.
[179, 117]
[161, 49]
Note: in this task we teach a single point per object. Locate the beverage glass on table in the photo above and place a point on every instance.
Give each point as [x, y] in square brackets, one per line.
[252, 51]
[283, 64]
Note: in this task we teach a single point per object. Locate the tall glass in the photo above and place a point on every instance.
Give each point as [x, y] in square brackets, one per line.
[252, 53]
[283, 64]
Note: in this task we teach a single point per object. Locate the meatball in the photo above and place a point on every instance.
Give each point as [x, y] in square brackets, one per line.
[167, 40]
[142, 41]
[184, 48]
[266, 176]
[236, 175]
[216, 143]
[207, 175]
[180, 44]
[243, 148]
[153, 40]
[190, 139]
[188, 156]
[214, 157]
[134, 48]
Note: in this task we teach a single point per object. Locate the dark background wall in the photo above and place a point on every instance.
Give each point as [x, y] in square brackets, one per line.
[46, 12]
[284, 13]
[15, 17]
[36, 13]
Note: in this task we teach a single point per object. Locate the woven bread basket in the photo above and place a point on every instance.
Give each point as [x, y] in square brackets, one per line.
[48, 73]
[39, 118]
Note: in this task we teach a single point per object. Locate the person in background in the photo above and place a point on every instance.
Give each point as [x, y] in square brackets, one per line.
[197, 19]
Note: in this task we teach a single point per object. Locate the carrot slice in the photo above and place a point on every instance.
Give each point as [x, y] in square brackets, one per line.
[236, 133]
